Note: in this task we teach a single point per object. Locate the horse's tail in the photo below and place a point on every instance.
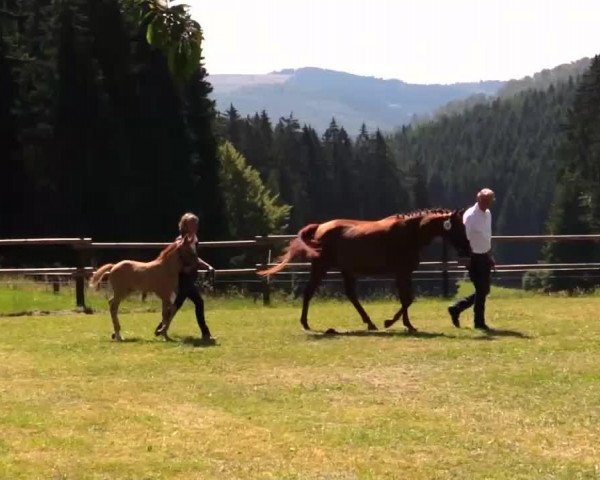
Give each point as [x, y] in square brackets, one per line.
[99, 274]
[302, 246]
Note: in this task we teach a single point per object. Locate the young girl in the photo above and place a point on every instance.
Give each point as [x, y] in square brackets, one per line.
[188, 227]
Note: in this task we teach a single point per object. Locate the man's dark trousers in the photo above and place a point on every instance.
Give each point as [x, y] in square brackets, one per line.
[479, 272]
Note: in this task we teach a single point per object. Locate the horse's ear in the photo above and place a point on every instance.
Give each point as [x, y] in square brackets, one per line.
[459, 212]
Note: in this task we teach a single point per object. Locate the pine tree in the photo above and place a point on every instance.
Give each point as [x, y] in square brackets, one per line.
[290, 168]
[75, 124]
[10, 168]
[250, 208]
[234, 126]
[315, 176]
[418, 176]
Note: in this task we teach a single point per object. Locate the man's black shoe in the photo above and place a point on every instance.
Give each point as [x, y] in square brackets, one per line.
[454, 314]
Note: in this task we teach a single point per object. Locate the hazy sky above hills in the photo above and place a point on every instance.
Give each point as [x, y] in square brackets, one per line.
[418, 41]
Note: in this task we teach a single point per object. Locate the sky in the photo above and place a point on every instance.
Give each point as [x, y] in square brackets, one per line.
[417, 41]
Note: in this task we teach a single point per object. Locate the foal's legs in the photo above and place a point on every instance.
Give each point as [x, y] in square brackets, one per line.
[406, 298]
[114, 308]
[317, 273]
[350, 285]
[168, 311]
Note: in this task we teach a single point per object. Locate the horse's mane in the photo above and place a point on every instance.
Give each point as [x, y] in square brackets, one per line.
[167, 250]
[423, 212]
[366, 227]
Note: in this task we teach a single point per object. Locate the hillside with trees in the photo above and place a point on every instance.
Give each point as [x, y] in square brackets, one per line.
[510, 144]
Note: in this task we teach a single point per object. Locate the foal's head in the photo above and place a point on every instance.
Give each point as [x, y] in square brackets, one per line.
[170, 254]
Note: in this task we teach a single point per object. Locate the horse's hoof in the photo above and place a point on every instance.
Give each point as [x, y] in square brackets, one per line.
[388, 323]
[117, 337]
[412, 330]
[372, 327]
[305, 326]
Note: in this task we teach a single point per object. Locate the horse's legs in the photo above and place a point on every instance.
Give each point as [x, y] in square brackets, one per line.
[389, 323]
[406, 298]
[114, 308]
[317, 273]
[350, 286]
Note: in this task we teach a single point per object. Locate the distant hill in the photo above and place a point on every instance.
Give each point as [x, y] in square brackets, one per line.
[315, 95]
[539, 81]
[542, 80]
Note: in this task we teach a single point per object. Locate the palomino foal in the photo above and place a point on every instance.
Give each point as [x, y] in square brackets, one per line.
[159, 276]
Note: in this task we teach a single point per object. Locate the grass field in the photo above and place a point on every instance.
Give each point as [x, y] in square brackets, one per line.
[270, 401]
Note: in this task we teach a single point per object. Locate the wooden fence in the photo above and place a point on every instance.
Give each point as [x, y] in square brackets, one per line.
[85, 247]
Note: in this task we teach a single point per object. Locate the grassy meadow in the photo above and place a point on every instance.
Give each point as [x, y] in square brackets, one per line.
[269, 401]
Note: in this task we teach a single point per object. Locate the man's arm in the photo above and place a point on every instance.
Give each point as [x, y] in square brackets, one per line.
[468, 222]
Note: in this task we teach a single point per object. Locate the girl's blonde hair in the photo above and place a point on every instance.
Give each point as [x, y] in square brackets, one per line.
[184, 220]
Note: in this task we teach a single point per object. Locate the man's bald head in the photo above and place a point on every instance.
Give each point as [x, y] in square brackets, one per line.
[485, 198]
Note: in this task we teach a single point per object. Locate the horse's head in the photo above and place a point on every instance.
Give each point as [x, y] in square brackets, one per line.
[453, 229]
[447, 224]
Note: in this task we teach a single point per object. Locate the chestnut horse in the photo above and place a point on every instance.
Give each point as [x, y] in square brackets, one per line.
[390, 246]
[159, 276]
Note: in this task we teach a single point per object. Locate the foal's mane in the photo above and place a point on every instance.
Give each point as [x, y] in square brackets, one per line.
[167, 250]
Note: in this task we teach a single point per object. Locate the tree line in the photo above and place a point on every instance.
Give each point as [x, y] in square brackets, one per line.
[99, 139]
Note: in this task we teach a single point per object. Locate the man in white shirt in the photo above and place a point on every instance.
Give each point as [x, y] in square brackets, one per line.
[478, 224]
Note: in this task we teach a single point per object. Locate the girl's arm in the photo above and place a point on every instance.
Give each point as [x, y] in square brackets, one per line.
[206, 265]
[201, 262]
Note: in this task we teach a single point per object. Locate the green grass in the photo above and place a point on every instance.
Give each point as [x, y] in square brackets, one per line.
[270, 401]
[18, 296]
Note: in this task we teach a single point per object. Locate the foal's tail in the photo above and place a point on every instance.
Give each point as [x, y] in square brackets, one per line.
[100, 273]
[298, 247]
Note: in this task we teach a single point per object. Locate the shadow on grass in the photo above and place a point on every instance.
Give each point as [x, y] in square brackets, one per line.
[333, 333]
[198, 342]
[189, 341]
[499, 332]
[485, 335]
[133, 340]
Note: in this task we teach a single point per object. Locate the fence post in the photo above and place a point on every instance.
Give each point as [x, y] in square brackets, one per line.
[445, 279]
[264, 247]
[81, 250]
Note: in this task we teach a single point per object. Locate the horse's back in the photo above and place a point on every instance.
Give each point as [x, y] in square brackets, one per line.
[333, 227]
[367, 247]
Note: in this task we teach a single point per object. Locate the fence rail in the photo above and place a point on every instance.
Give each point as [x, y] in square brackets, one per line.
[265, 244]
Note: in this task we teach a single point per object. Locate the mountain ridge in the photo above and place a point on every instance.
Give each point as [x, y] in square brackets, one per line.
[316, 95]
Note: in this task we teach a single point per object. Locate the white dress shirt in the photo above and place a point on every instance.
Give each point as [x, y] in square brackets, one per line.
[479, 229]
